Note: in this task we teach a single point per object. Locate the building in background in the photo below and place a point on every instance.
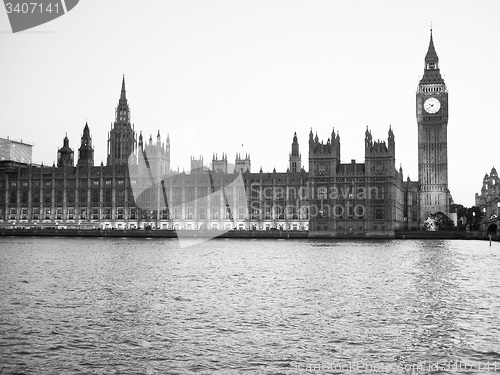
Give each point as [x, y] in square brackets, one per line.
[15, 151]
[121, 137]
[488, 202]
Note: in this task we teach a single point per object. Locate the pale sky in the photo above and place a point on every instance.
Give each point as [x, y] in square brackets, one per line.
[219, 74]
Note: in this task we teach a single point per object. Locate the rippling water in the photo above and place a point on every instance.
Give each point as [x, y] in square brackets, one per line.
[127, 306]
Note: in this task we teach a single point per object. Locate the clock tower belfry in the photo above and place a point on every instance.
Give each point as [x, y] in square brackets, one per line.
[432, 120]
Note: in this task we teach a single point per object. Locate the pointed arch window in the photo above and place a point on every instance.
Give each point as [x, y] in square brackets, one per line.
[322, 193]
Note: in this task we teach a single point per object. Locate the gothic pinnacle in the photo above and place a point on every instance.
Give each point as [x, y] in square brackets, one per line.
[122, 96]
[431, 55]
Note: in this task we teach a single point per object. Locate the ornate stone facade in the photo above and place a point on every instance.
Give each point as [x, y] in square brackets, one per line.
[489, 198]
[138, 189]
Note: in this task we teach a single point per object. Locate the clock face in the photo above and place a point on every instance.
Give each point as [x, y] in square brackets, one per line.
[432, 105]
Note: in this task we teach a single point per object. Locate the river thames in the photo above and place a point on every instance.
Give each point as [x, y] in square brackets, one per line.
[148, 306]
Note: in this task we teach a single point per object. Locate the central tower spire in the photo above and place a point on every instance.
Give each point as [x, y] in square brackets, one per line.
[123, 110]
[121, 140]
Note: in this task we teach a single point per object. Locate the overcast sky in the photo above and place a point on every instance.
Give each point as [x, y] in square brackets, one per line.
[219, 74]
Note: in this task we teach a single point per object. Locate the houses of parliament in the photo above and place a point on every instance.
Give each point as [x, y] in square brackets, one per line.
[137, 188]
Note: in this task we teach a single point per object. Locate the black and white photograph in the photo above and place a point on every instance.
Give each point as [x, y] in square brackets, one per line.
[249, 187]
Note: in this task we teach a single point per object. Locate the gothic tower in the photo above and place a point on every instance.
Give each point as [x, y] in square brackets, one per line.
[86, 151]
[432, 120]
[65, 154]
[219, 165]
[323, 158]
[121, 140]
[242, 164]
[324, 162]
[380, 157]
[295, 159]
[156, 155]
[380, 177]
[196, 164]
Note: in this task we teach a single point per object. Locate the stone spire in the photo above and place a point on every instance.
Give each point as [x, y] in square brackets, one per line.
[431, 70]
[431, 56]
[295, 162]
[86, 151]
[65, 154]
[122, 137]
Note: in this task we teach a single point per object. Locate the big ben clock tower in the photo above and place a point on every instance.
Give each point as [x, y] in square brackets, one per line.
[432, 119]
